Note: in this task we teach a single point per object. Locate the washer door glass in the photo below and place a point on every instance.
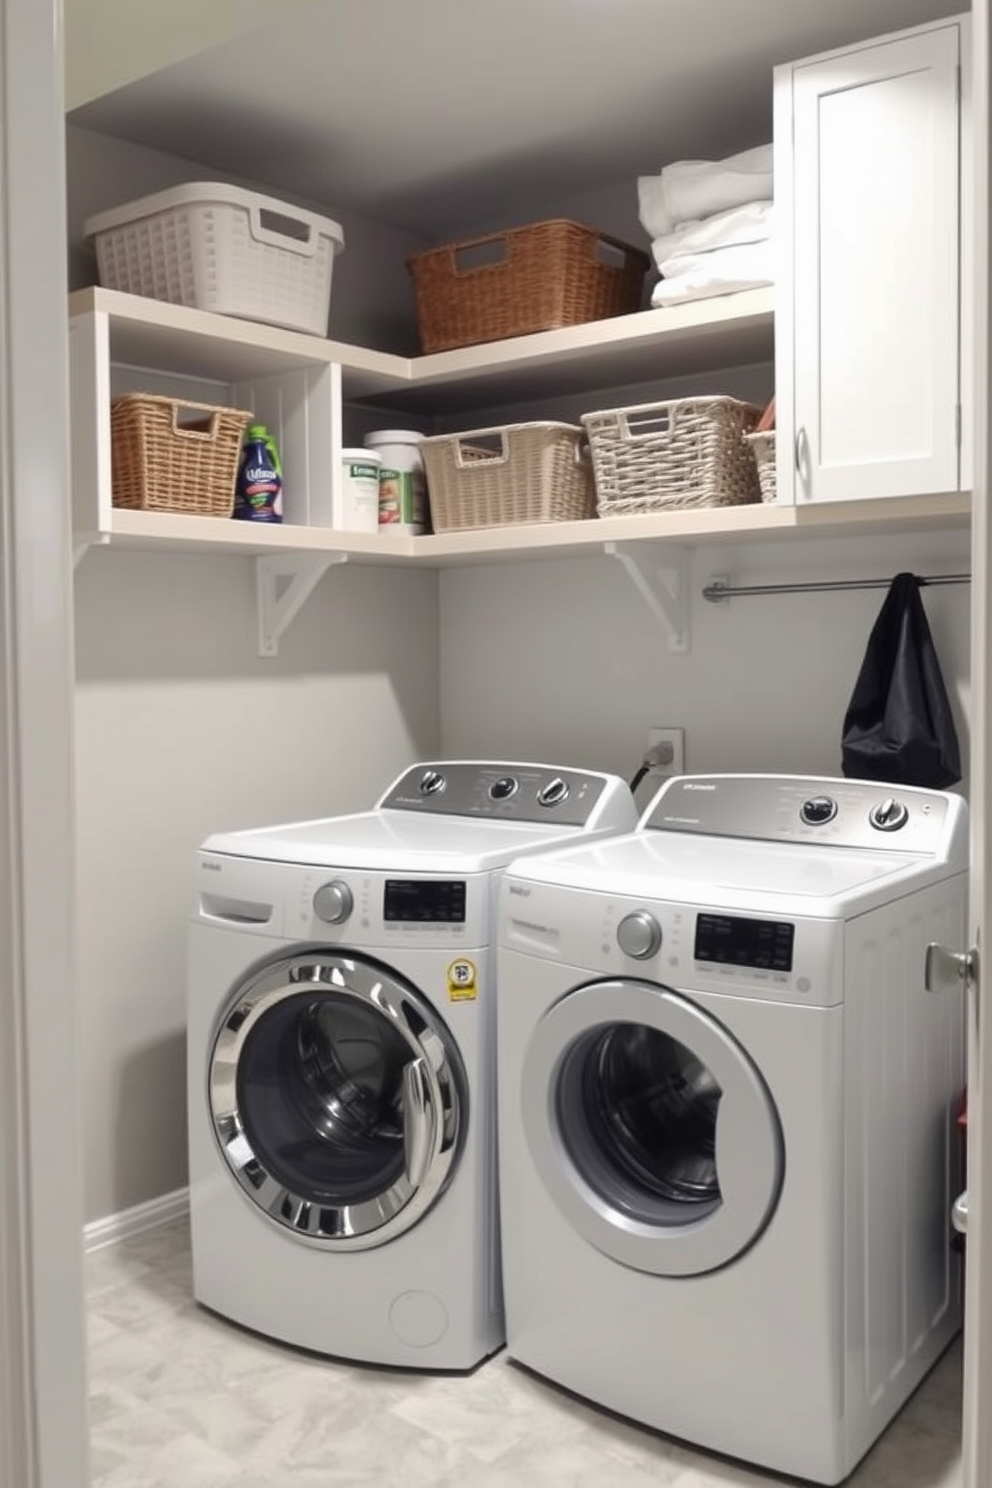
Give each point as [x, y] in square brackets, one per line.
[338, 1098]
[651, 1128]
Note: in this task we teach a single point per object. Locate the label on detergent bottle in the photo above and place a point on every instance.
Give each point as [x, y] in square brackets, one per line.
[258, 492]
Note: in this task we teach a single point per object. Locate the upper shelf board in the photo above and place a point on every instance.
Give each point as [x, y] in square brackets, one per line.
[728, 330]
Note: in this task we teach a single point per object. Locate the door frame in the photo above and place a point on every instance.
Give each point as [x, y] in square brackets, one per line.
[977, 1428]
[43, 1422]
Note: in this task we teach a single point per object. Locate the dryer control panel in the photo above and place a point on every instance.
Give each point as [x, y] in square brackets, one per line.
[494, 791]
[838, 813]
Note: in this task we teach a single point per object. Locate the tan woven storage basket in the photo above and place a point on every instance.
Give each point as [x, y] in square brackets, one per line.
[169, 455]
[763, 446]
[682, 453]
[527, 279]
[520, 473]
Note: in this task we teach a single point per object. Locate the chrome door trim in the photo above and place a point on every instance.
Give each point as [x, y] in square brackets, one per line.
[749, 1146]
[419, 1122]
[435, 1100]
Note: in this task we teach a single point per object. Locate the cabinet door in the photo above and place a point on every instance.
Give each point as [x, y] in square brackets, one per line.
[868, 208]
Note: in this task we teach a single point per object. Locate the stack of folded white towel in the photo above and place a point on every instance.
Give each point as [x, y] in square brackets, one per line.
[710, 225]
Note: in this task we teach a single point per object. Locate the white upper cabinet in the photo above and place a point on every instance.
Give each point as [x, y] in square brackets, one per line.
[868, 336]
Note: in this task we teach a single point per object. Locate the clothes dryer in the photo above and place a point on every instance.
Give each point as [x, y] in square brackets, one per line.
[341, 1039]
[727, 1113]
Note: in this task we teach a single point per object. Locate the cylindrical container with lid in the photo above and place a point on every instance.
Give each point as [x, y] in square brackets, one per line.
[359, 490]
[402, 482]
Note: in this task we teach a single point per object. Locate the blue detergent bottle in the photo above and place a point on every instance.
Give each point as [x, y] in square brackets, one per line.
[258, 491]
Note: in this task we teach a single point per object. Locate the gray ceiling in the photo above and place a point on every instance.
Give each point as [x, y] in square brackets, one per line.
[432, 114]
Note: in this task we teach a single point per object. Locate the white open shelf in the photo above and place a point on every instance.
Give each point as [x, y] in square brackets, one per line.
[710, 525]
[297, 384]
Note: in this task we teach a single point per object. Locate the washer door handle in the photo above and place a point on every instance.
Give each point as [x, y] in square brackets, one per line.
[418, 1121]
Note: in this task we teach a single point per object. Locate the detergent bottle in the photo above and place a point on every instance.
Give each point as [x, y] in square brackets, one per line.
[258, 491]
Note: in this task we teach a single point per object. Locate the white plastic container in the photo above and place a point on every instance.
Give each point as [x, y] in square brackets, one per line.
[215, 247]
[360, 490]
[402, 482]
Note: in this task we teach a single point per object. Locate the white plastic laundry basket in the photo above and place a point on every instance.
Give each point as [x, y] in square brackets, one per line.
[216, 247]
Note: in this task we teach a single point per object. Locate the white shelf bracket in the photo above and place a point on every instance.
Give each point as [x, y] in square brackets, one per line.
[283, 585]
[664, 587]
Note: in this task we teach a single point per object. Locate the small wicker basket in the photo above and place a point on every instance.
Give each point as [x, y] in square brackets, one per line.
[686, 452]
[516, 474]
[536, 278]
[169, 455]
[763, 446]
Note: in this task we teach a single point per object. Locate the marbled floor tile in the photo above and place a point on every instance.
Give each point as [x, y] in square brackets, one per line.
[580, 1462]
[99, 1329]
[183, 1399]
[110, 1266]
[122, 1428]
[337, 1451]
[181, 1462]
[491, 1410]
[122, 1356]
[162, 1244]
[137, 1302]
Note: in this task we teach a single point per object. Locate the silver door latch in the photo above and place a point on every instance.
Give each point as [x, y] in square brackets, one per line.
[949, 971]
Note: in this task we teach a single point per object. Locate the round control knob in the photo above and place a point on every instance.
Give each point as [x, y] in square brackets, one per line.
[889, 815]
[639, 935]
[553, 793]
[503, 788]
[333, 902]
[431, 782]
[818, 810]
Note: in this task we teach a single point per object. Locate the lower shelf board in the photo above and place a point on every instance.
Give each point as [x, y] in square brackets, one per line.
[699, 525]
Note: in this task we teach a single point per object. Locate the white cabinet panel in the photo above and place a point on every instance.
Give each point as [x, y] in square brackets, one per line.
[868, 192]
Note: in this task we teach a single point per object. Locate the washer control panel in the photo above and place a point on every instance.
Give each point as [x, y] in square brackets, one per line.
[512, 792]
[838, 813]
[688, 947]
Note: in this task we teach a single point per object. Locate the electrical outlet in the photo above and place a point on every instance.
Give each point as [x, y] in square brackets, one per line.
[676, 738]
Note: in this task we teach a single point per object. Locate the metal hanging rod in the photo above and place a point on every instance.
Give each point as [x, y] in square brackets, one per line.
[717, 590]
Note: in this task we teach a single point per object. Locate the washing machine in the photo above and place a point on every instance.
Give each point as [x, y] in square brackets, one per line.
[341, 1060]
[727, 1113]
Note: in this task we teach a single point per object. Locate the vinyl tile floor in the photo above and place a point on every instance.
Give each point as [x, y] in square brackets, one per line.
[181, 1399]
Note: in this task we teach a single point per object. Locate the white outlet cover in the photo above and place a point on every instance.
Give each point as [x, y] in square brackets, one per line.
[675, 737]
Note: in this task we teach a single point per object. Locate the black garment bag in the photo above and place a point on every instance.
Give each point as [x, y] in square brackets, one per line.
[898, 726]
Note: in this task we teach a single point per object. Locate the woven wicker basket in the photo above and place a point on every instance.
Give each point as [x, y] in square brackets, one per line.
[516, 474]
[528, 279]
[168, 455]
[763, 447]
[663, 456]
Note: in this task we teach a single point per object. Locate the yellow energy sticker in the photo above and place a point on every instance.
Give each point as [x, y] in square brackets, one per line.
[461, 981]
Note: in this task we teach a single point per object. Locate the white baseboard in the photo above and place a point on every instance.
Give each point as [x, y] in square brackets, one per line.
[116, 1227]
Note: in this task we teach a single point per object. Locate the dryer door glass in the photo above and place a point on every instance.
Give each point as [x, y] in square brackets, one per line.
[338, 1099]
[651, 1127]
[640, 1109]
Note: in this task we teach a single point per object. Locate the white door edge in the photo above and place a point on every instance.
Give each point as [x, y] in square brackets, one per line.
[977, 1443]
[43, 1425]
